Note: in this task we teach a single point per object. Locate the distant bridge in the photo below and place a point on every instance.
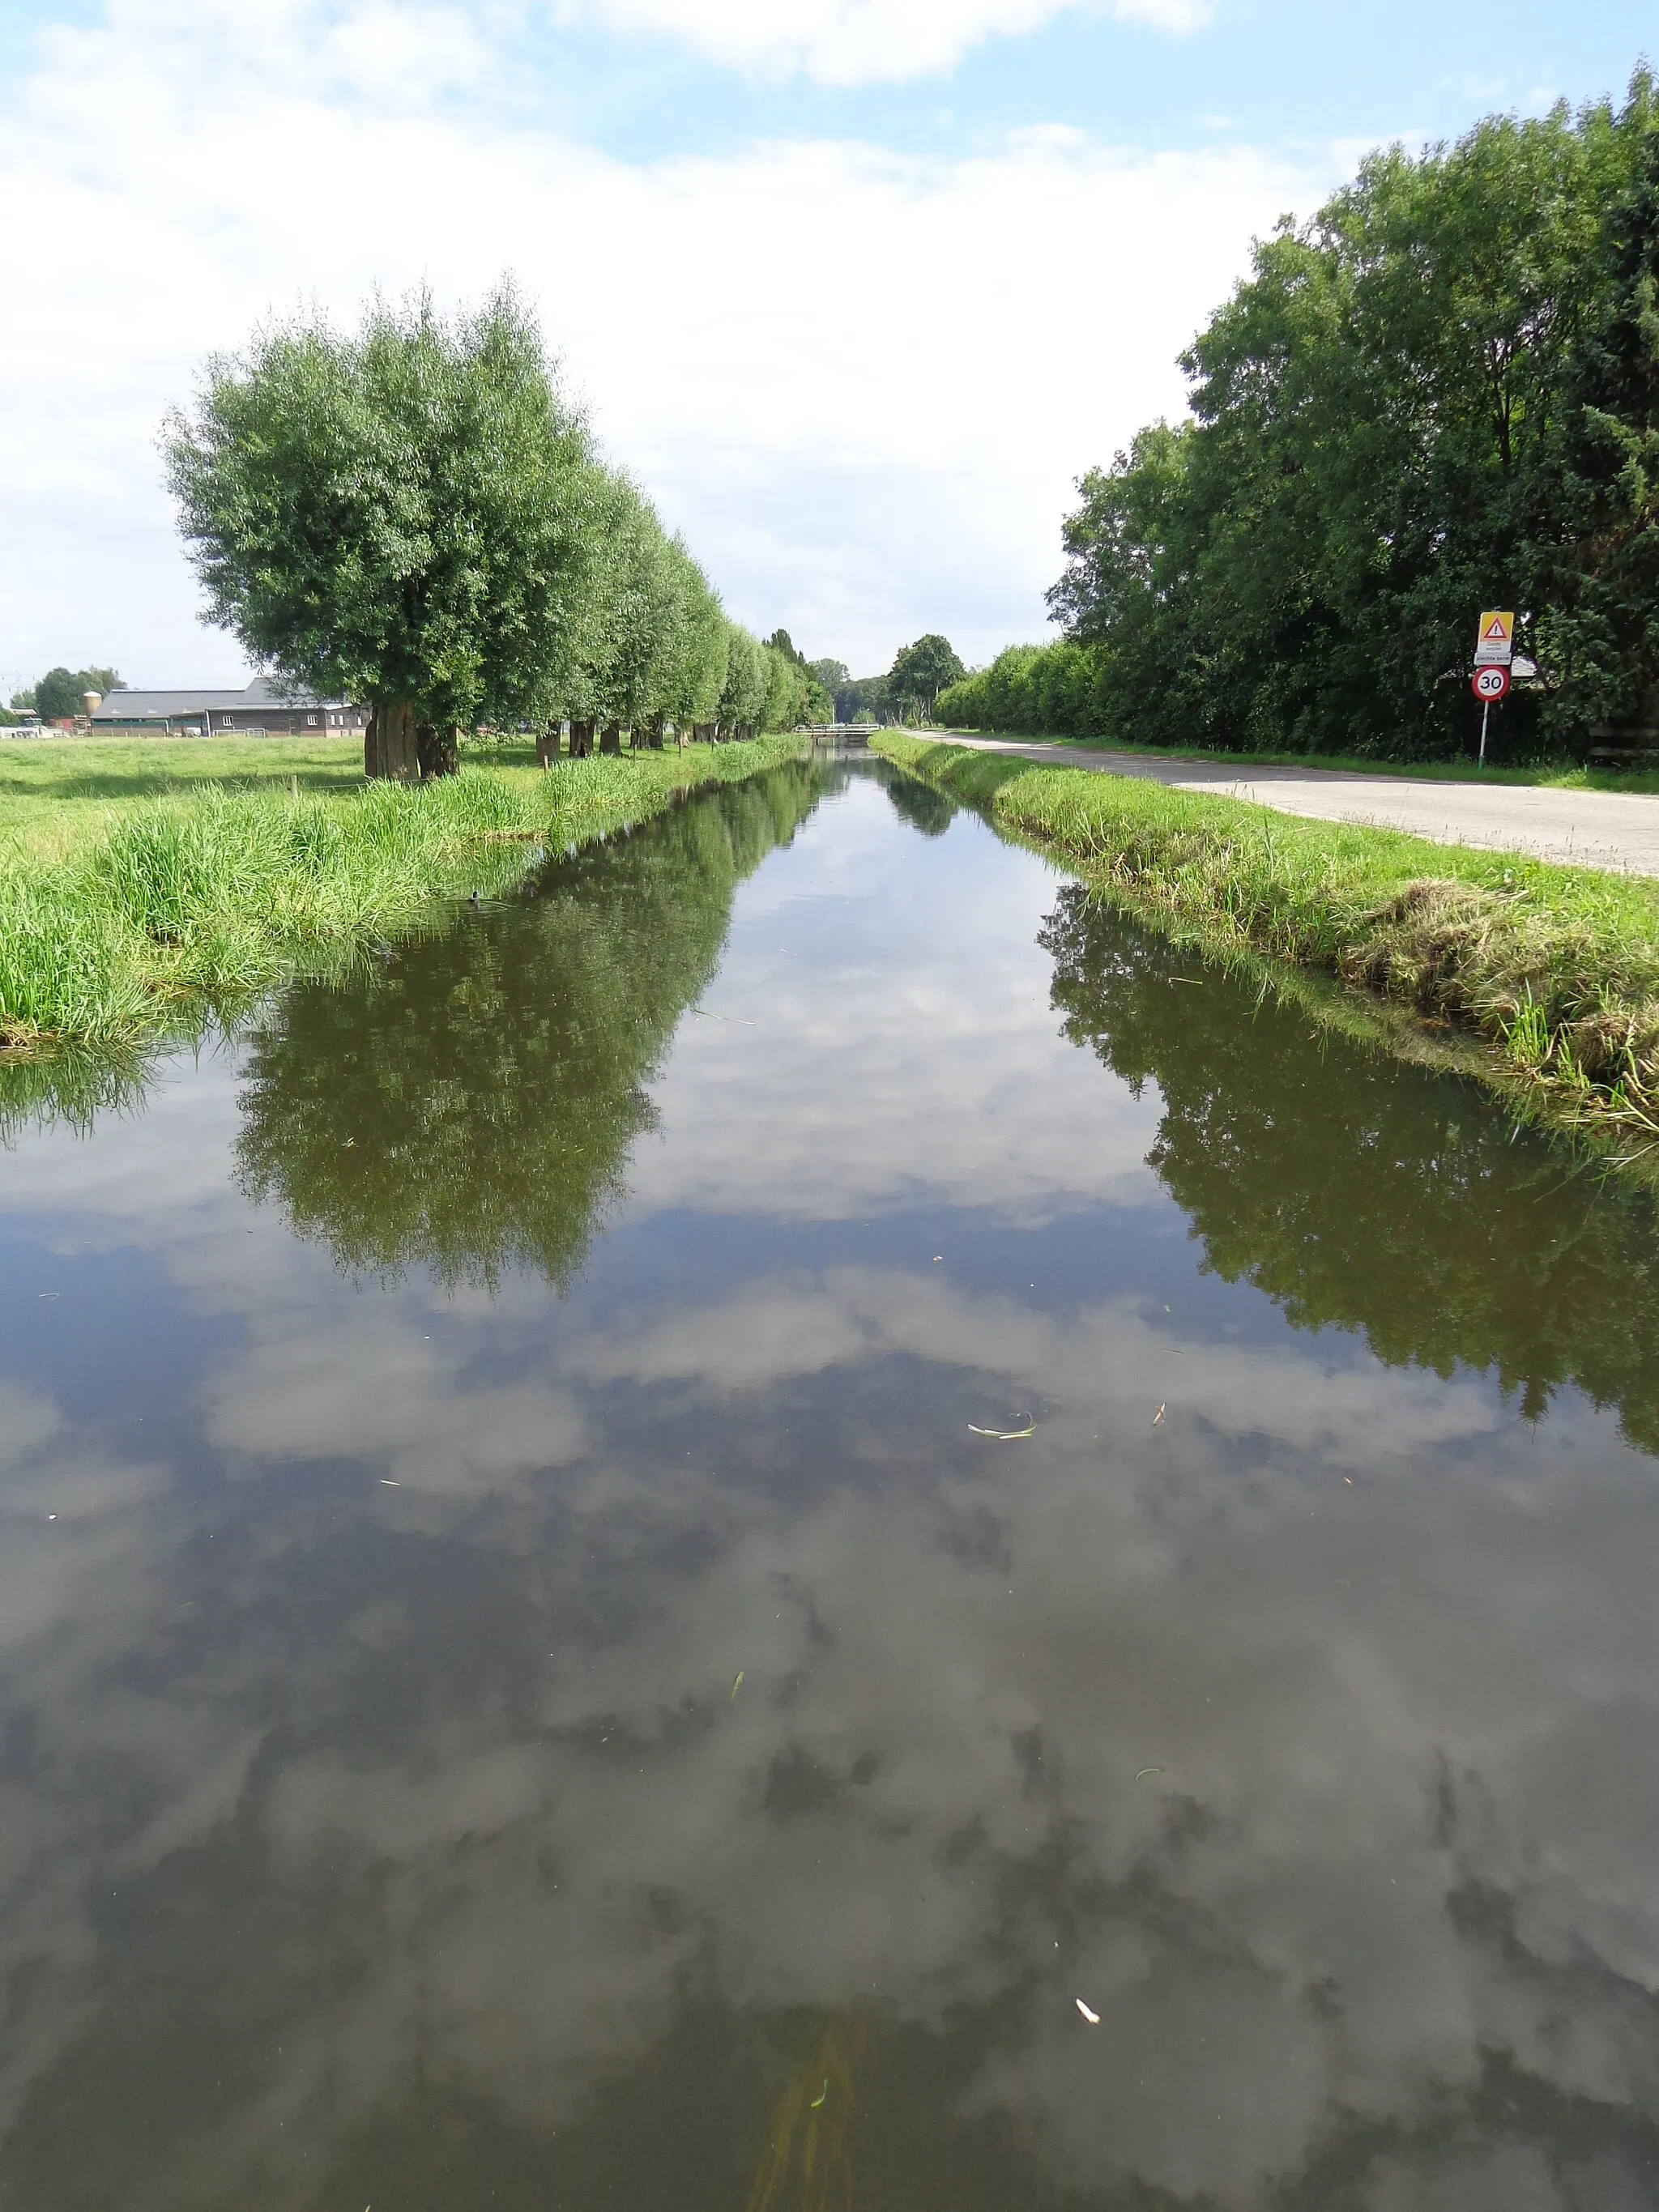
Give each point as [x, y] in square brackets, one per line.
[837, 733]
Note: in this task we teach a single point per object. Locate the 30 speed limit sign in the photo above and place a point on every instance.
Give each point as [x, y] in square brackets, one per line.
[1490, 683]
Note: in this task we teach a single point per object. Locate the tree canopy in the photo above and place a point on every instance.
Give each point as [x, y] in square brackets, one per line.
[1440, 394]
[59, 692]
[921, 671]
[414, 516]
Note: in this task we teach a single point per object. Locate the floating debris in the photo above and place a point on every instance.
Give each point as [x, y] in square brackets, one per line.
[387, 1483]
[1093, 2018]
[1004, 1435]
[736, 1685]
[1159, 1416]
[822, 2094]
[1145, 1771]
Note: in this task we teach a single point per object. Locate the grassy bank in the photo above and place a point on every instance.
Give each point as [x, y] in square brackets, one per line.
[1550, 974]
[1551, 775]
[145, 886]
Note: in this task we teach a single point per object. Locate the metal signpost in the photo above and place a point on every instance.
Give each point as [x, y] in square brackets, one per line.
[1494, 649]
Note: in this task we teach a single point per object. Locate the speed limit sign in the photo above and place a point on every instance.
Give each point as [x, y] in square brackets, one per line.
[1490, 683]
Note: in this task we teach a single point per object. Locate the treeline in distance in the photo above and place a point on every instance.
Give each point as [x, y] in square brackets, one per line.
[416, 518]
[1439, 395]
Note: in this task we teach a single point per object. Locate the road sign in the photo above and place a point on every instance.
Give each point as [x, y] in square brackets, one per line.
[1495, 641]
[1490, 684]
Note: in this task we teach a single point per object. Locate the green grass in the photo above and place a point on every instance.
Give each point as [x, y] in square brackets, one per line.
[1554, 775]
[145, 887]
[55, 791]
[1552, 973]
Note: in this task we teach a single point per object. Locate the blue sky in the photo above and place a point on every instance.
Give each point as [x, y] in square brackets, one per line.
[1024, 208]
[1282, 73]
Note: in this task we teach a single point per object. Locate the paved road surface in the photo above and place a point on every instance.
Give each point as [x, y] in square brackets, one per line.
[1586, 829]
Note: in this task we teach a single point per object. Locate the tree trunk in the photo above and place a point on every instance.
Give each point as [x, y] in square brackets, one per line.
[650, 735]
[390, 746]
[682, 736]
[582, 740]
[610, 737]
[438, 751]
[547, 745]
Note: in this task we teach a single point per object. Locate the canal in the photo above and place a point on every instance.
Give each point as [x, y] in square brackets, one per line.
[790, 1523]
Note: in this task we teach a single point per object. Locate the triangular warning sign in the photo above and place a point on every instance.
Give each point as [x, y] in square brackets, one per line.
[1497, 630]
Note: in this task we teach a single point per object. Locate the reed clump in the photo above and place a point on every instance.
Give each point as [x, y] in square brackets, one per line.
[189, 905]
[1554, 971]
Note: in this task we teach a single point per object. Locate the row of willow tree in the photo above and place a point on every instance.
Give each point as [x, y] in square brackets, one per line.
[1439, 395]
[417, 517]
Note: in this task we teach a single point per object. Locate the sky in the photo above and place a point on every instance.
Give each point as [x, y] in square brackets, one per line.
[856, 288]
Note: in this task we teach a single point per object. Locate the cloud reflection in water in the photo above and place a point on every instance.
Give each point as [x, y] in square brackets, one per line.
[413, 1840]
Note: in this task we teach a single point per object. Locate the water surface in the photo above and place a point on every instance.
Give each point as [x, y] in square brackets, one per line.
[522, 1685]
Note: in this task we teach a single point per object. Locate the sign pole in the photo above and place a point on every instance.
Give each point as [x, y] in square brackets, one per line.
[1494, 649]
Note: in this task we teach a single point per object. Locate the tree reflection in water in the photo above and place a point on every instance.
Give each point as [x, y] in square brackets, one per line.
[1357, 1194]
[470, 1109]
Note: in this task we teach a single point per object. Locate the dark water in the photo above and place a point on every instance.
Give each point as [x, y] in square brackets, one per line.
[521, 1687]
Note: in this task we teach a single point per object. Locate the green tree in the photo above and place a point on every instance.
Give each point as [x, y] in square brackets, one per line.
[59, 692]
[748, 680]
[1601, 629]
[796, 696]
[831, 674]
[1374, 454]
[921, 671]
[412, 516]
[704, 644]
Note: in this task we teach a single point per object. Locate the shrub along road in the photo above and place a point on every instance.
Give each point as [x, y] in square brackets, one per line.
[1607, 830]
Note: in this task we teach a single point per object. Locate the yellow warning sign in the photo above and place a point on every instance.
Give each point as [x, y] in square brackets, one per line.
[1494, 645]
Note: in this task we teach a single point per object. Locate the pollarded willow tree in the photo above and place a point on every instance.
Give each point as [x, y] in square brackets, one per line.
[416, 518]
[408, 516]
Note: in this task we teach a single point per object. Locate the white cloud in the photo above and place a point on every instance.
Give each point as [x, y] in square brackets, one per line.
[847, 42]
[183, 170]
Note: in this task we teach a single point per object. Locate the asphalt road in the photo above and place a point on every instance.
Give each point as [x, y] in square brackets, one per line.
[1605, 829]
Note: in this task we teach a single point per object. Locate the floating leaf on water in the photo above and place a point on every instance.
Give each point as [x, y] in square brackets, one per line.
[1145, 1771]
[1159, 1416]
[1093, 2018]
[819, 2099]
[1004, 1435]
[736, 1685]
[387, 1483]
